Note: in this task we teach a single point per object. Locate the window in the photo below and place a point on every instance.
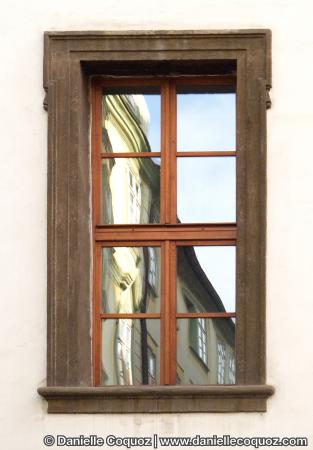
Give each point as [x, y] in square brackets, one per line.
[123, 266]
[166, 160]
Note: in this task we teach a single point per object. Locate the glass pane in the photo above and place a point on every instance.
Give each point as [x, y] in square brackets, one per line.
[130, 190]
[131, 279]
[130, 351]
[205, 351]
[131, 120]
[206, 189]
[206, 279]
[206, 121]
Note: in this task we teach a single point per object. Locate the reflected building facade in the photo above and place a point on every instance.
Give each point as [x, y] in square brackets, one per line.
[132, 185]
[205, 347]
[131, 275]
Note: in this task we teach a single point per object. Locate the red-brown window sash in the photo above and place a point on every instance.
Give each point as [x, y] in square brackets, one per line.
[168, 234]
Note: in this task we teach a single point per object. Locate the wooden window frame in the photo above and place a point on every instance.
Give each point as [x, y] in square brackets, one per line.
[168, 235]
[70, 61]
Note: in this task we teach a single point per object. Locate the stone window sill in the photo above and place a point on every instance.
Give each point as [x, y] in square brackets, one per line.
[157, 399]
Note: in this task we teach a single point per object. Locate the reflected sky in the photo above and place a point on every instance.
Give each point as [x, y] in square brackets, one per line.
[206, 122]
[206, 189]
[154, 129]
[219, 264]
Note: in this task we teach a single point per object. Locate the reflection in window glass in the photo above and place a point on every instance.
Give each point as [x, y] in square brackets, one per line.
[206, 122]
[202, 340]
[125, 279]
[231, 370]
[221, 356]
[130, 190]
[206, 189]
[134, 205]
[205, 351]
[151, 366]
[131, 120]
[130, 351]
[206, 279]
[152, 275]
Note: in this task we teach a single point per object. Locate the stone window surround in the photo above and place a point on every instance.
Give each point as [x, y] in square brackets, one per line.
[70, 59]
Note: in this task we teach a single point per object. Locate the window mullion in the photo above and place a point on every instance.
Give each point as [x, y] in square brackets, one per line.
[172, 311]
[164, 376]
[168, 314]
[165, 169]
[172, 152]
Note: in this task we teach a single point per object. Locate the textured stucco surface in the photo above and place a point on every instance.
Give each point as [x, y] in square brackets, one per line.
[23, 127]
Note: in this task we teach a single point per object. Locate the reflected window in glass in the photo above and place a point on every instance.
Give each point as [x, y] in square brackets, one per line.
[127, 358]
[221, 354]
[202, 340]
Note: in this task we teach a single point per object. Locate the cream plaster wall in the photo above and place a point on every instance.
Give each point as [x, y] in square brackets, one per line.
[23, 168]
